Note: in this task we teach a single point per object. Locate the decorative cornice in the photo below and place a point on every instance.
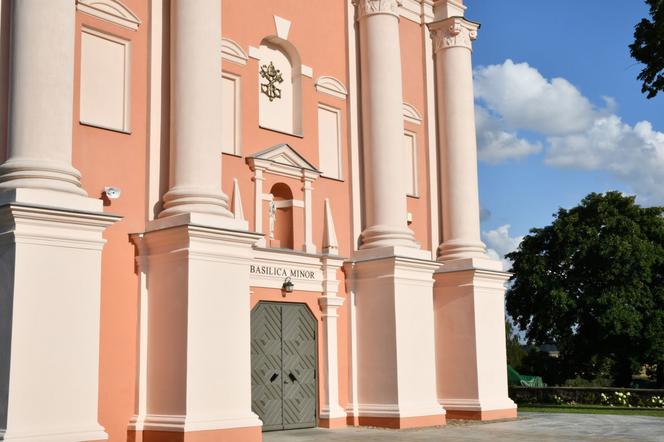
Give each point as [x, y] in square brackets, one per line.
[331, 86]
[366, 8]
[110, 10]
[232, 51]
[453, 32]
[411, 114]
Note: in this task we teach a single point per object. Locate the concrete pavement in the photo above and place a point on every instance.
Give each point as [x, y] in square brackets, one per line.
[539, 427]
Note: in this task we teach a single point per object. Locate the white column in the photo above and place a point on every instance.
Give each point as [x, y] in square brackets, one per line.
[41, 98]
[309, 245]
[469, 287]
[382, 125]
[331, 411]
[196, 107]
[456, 132]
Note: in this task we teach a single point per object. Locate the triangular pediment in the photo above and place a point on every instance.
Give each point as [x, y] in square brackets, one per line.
[281, 156]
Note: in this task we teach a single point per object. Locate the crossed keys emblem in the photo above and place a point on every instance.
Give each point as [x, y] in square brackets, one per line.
[273, 77]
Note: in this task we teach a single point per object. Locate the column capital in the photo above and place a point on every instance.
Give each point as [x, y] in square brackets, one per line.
[366, 8]
[453, 32]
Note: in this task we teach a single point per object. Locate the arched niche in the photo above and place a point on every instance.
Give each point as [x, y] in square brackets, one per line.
[281, 217]
[280, 86]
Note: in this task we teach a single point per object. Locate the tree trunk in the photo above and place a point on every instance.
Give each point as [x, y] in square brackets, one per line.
[660, 374]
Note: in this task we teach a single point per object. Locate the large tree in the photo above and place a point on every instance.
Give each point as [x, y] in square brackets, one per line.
[592, 282]
[648, 48]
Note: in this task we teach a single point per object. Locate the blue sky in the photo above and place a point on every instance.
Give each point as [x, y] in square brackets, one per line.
[560, 112]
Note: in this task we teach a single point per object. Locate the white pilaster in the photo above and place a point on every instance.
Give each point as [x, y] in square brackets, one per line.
[382, 125]
[456, 133]
[329, 305]
[258, 202]
[307, 188]
[196, 108]
[141, 400]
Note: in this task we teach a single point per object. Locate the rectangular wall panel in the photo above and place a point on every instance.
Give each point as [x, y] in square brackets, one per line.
[230, 116]
[329, 142]
[104, 80]
[410, 163]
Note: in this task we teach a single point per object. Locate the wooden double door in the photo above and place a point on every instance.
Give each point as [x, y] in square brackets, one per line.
[283, 365]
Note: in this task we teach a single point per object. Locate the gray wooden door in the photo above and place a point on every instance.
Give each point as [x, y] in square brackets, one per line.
[283, 365]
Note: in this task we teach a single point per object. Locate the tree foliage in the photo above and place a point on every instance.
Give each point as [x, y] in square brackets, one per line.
[515, 353]
[648, 48]
[592, 283]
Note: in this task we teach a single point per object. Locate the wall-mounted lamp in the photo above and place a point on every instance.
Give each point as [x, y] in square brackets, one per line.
[112, 193]
[287, 286]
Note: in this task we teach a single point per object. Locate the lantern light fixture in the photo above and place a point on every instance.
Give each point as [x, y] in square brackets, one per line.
[287, 287]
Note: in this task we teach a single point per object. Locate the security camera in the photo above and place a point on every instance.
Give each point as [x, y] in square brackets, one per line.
[112, 192]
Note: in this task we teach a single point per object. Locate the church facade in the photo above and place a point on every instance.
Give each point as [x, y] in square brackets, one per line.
[224, 217]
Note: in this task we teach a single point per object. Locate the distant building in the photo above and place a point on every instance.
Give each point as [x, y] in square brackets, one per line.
[221, 217]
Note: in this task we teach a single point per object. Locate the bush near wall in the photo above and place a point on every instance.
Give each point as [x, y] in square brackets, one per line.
[625, 397]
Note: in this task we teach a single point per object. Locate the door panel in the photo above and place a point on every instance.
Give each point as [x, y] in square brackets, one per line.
[266, 380]
[299, 367]
[283, 365]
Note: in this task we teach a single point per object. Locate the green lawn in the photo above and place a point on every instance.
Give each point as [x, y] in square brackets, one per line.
[591, 409]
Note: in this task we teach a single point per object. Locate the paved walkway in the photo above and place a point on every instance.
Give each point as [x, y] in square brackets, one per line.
[537, 427]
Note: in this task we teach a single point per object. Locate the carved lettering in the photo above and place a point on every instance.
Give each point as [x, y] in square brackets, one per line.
[281, 272]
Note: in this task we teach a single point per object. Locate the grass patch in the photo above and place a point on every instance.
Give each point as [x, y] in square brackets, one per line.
[591, 409]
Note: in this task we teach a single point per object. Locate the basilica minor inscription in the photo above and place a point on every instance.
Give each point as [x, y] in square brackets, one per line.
[282, 272]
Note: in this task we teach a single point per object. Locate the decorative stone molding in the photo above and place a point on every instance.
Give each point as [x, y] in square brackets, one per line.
[370, 7]
[232, 51]
[110, 10]
[453, 32]
[418, 11]
[411, 114]
[331, 86]
[283, 160]
[236, 206]
[330, 243]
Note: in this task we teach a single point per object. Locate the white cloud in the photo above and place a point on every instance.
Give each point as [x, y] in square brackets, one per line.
[635, 154]
[527, 100]
[512, 98]
[499, 243]
[495, 144]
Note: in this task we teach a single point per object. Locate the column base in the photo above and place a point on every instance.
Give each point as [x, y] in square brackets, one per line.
[29, 173]
[461, 249]
[335, 418]
[401, 423]
[246, 434]
[339, 422]
[486, 415]
[184, 200]
[387, 236]
[390, 416]
[56, 435]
